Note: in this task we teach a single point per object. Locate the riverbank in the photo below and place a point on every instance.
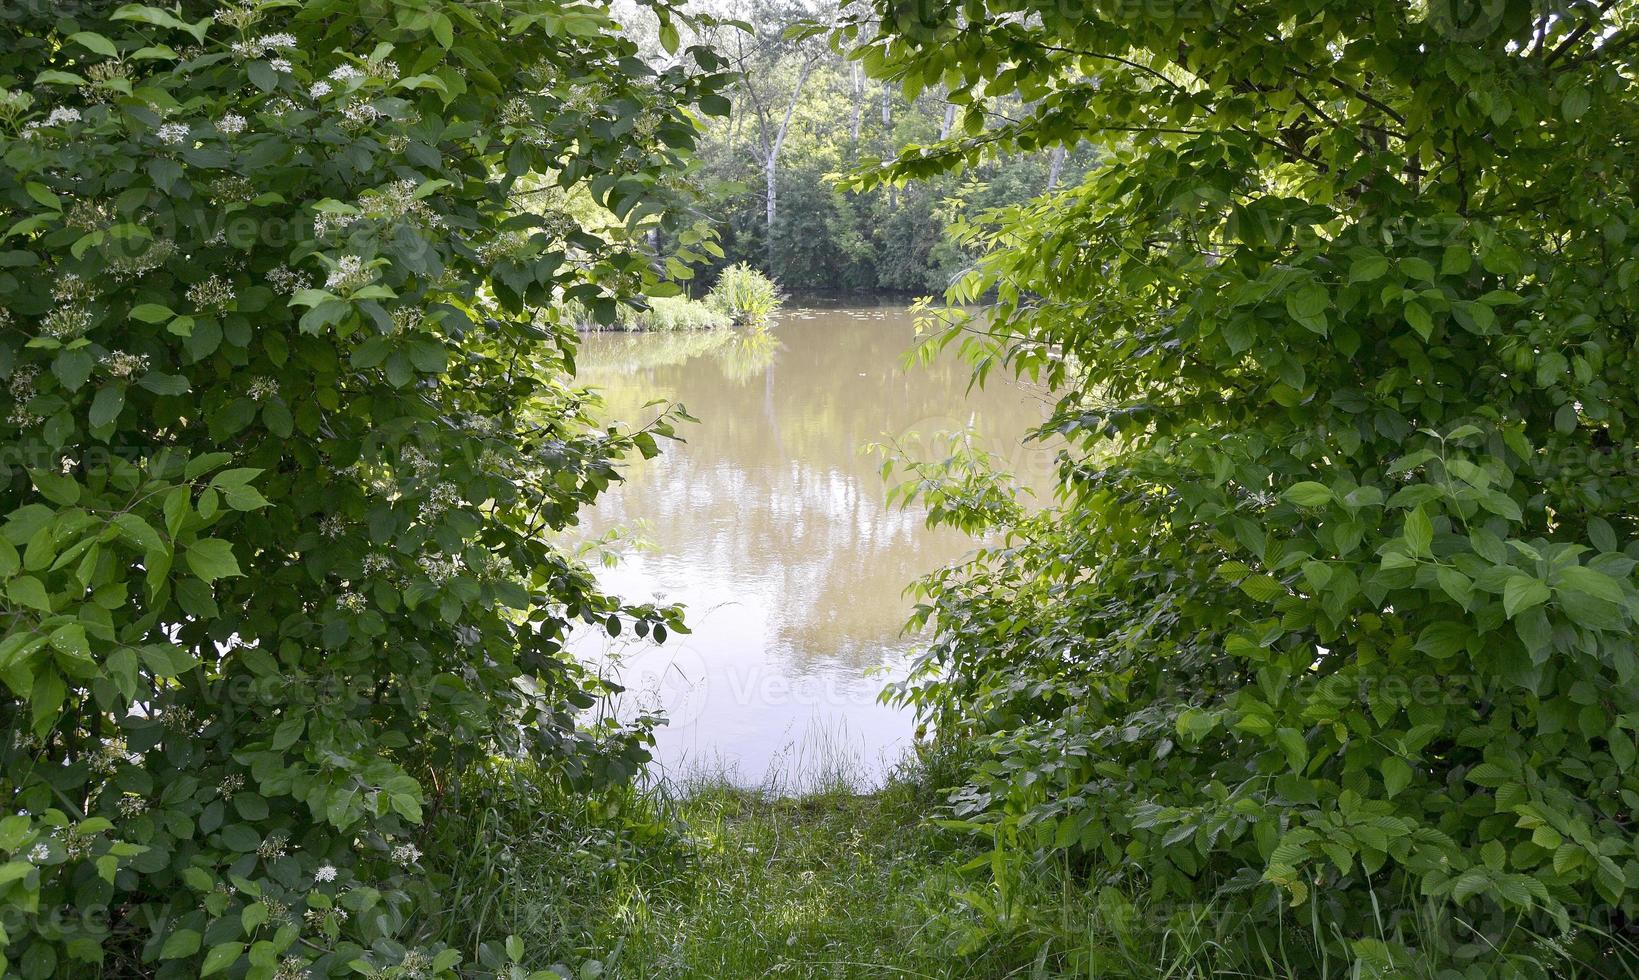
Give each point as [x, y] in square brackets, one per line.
[717, 882]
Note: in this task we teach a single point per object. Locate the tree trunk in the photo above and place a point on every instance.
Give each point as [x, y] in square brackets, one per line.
[859, 103]
[950, 121]
[771, 161]
[887, 140]
[1056, 165]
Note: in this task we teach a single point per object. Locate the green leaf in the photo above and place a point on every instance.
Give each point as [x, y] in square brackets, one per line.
[42, 194]
[1444, 640]
[1581, 578]
[1308, 307]
[1522, 592]
[212, 559]
[183, 942]
[106, 406]
[1263, 588]
[96, 42]
[56, 487]
[1368, 267]
[1309, 494]
[1575, 104]
[1396, 775]
[1420, 321]
[151, 313]
[221, 956]
[1419, 533]
[28, 591]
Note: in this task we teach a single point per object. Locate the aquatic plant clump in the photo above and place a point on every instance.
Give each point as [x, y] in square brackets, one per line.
[746, 296]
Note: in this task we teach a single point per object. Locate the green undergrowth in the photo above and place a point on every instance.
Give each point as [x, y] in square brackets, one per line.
[713, 880]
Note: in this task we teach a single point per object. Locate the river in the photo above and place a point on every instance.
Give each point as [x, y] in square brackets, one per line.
[771, 525]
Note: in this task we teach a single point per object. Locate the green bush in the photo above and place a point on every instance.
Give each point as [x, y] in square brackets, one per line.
[283, 452]
[663, 314]
[1334, 626]
[744, 295]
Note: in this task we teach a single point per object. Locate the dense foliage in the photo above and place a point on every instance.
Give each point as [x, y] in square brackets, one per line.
[1333, 623]
[827, 117]
[285, 448]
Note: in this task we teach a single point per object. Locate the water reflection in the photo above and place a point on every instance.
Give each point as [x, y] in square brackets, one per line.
[770, 524]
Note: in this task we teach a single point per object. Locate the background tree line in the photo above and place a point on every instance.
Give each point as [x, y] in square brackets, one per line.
[801, 114]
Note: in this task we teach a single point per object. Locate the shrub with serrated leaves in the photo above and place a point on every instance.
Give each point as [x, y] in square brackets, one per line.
[1335, 617]
[285, 451]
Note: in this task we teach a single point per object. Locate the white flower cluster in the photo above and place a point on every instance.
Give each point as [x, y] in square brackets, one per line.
[131, 806]
[345, 74]
[66, 322]
[413, 458]
[406, 854]
[332, 527]
[273, 846]
[493, 568]
[510, 245]
[40, 854]
[376, 564]
[442, 498]
[123, 365]
[440, 568]
[231, 188]
[230, 784]
[327, 222]
[22, 392]
[349, 275]
[518, 113]
[397, 202]
[359, 114]
[14, 104]
[319, 90]
[481, 425]
[315, 918]
[353, 602]
[70, 288]
[415, 965]
[238, 16]
[286, 280]
[231, 124]
[262, 45]
[77, 843]
[103, 75]
[63, 116]
[408, 318]
[325, 873]
[173, 133]
[291, 968]
[280, 65]
[128, 267]
[214, 293]
[90, 215]
[262, 388]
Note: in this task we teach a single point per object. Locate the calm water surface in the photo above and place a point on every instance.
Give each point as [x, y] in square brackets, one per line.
[771, 526]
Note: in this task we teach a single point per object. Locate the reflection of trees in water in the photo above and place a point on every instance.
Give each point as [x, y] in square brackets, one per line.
[741, 354]
[772, 491]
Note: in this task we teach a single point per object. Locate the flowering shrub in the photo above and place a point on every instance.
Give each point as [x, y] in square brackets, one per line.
[1332, 623]
[284, 448]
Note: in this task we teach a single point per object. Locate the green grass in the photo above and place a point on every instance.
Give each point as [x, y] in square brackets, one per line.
[710, 880]
[713, 881]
